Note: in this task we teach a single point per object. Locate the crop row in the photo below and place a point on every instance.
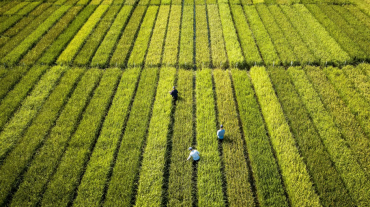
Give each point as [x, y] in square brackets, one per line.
[202, 53]
[327, 180]
[181, 172]
[10, 79]
[297, 181]
[94, 180]
[219, 58]
[187, 38]
[236, 170]
[46, 159]
[360, 80]
[171, 46]
[92, 43]
[264, 167]
[14, 164]
[126, 168]
[343, 158]
[106, 47]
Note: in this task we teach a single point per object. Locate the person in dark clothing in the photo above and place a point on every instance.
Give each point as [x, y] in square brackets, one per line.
[174, 93]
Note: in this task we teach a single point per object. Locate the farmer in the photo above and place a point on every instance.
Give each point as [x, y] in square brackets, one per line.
[221, 133]
[174, 93]
[195, 154]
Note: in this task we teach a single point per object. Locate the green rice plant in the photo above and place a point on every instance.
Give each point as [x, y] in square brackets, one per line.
[327, 180]
[202, 57]
[299, 48]
[365, 68]
[118, 2]
[36, 52]
[14, 164]
[16, 8]
[154, 156]
[171, 46]
[130, 2]
[153, 57]
[247, 42]
[263, 40]
[13, 130]
[62, 185]
[92, 43]
[201, 2]
[159, 2]
[17, 39]
[219, 58]
[10, 21]
[95, 2]
[353, 99]
[209, 180]
[258, 1]
[278, 38]
[333, 51]
[142, 41]
[232, 2]
[355, 11]
[186, 56]
[293, 169]
[174, 2]
[264, 166]
[360, 80]
[30, 7]
[144, 2]
[245, 2]
[335, 31]
[347, 123]
[188, 2]
[13, 57]
[93, 183]
[8, 6]
[126, 42]
[344, 160]
[126, 168]
[106, 47]
[3, 71]
[234, 51]
[73, 47]
[14, 74]
[46, 159]
[180, 175]
[236, 171]
[14, 97]
[60, 43]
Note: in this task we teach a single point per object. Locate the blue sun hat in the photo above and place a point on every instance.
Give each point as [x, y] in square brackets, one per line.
[190, 148]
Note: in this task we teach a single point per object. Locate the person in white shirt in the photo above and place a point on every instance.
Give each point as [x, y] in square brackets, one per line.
[194, 153]
[221, 133]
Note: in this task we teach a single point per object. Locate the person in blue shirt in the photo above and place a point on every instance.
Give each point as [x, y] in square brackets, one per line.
[174, 93]
[194, 154]
[221, 133]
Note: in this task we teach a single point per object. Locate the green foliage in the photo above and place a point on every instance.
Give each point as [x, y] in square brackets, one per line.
[264, 166]
[202, 58]
[92, 43]
[30, 107]
[344, 160]
[360, 80]
[293, 169]
[20, 36]
[333, 52]
[236, 171]
[282, 46]
[8, 6]
[16, 8]
[268, 52]
[355, 11]
[46, 159]
[14, 97]
[179, 191]
[59, 44]
[14, 164]
[219, 58]
[209, 180]
[62, 185]
[127, 38]
[30, 7]
[234, 51]
[142, 41]
[34, 54]
[153, 57]
[327, 180]
[93, 183]
[126, 169]
[346, 43]
[171, 47]
[251, 53]
[106, 47]
[73, 47]
[155, 152]
[186, 56]
[13, 75]
[353, 99]
[13, 57]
